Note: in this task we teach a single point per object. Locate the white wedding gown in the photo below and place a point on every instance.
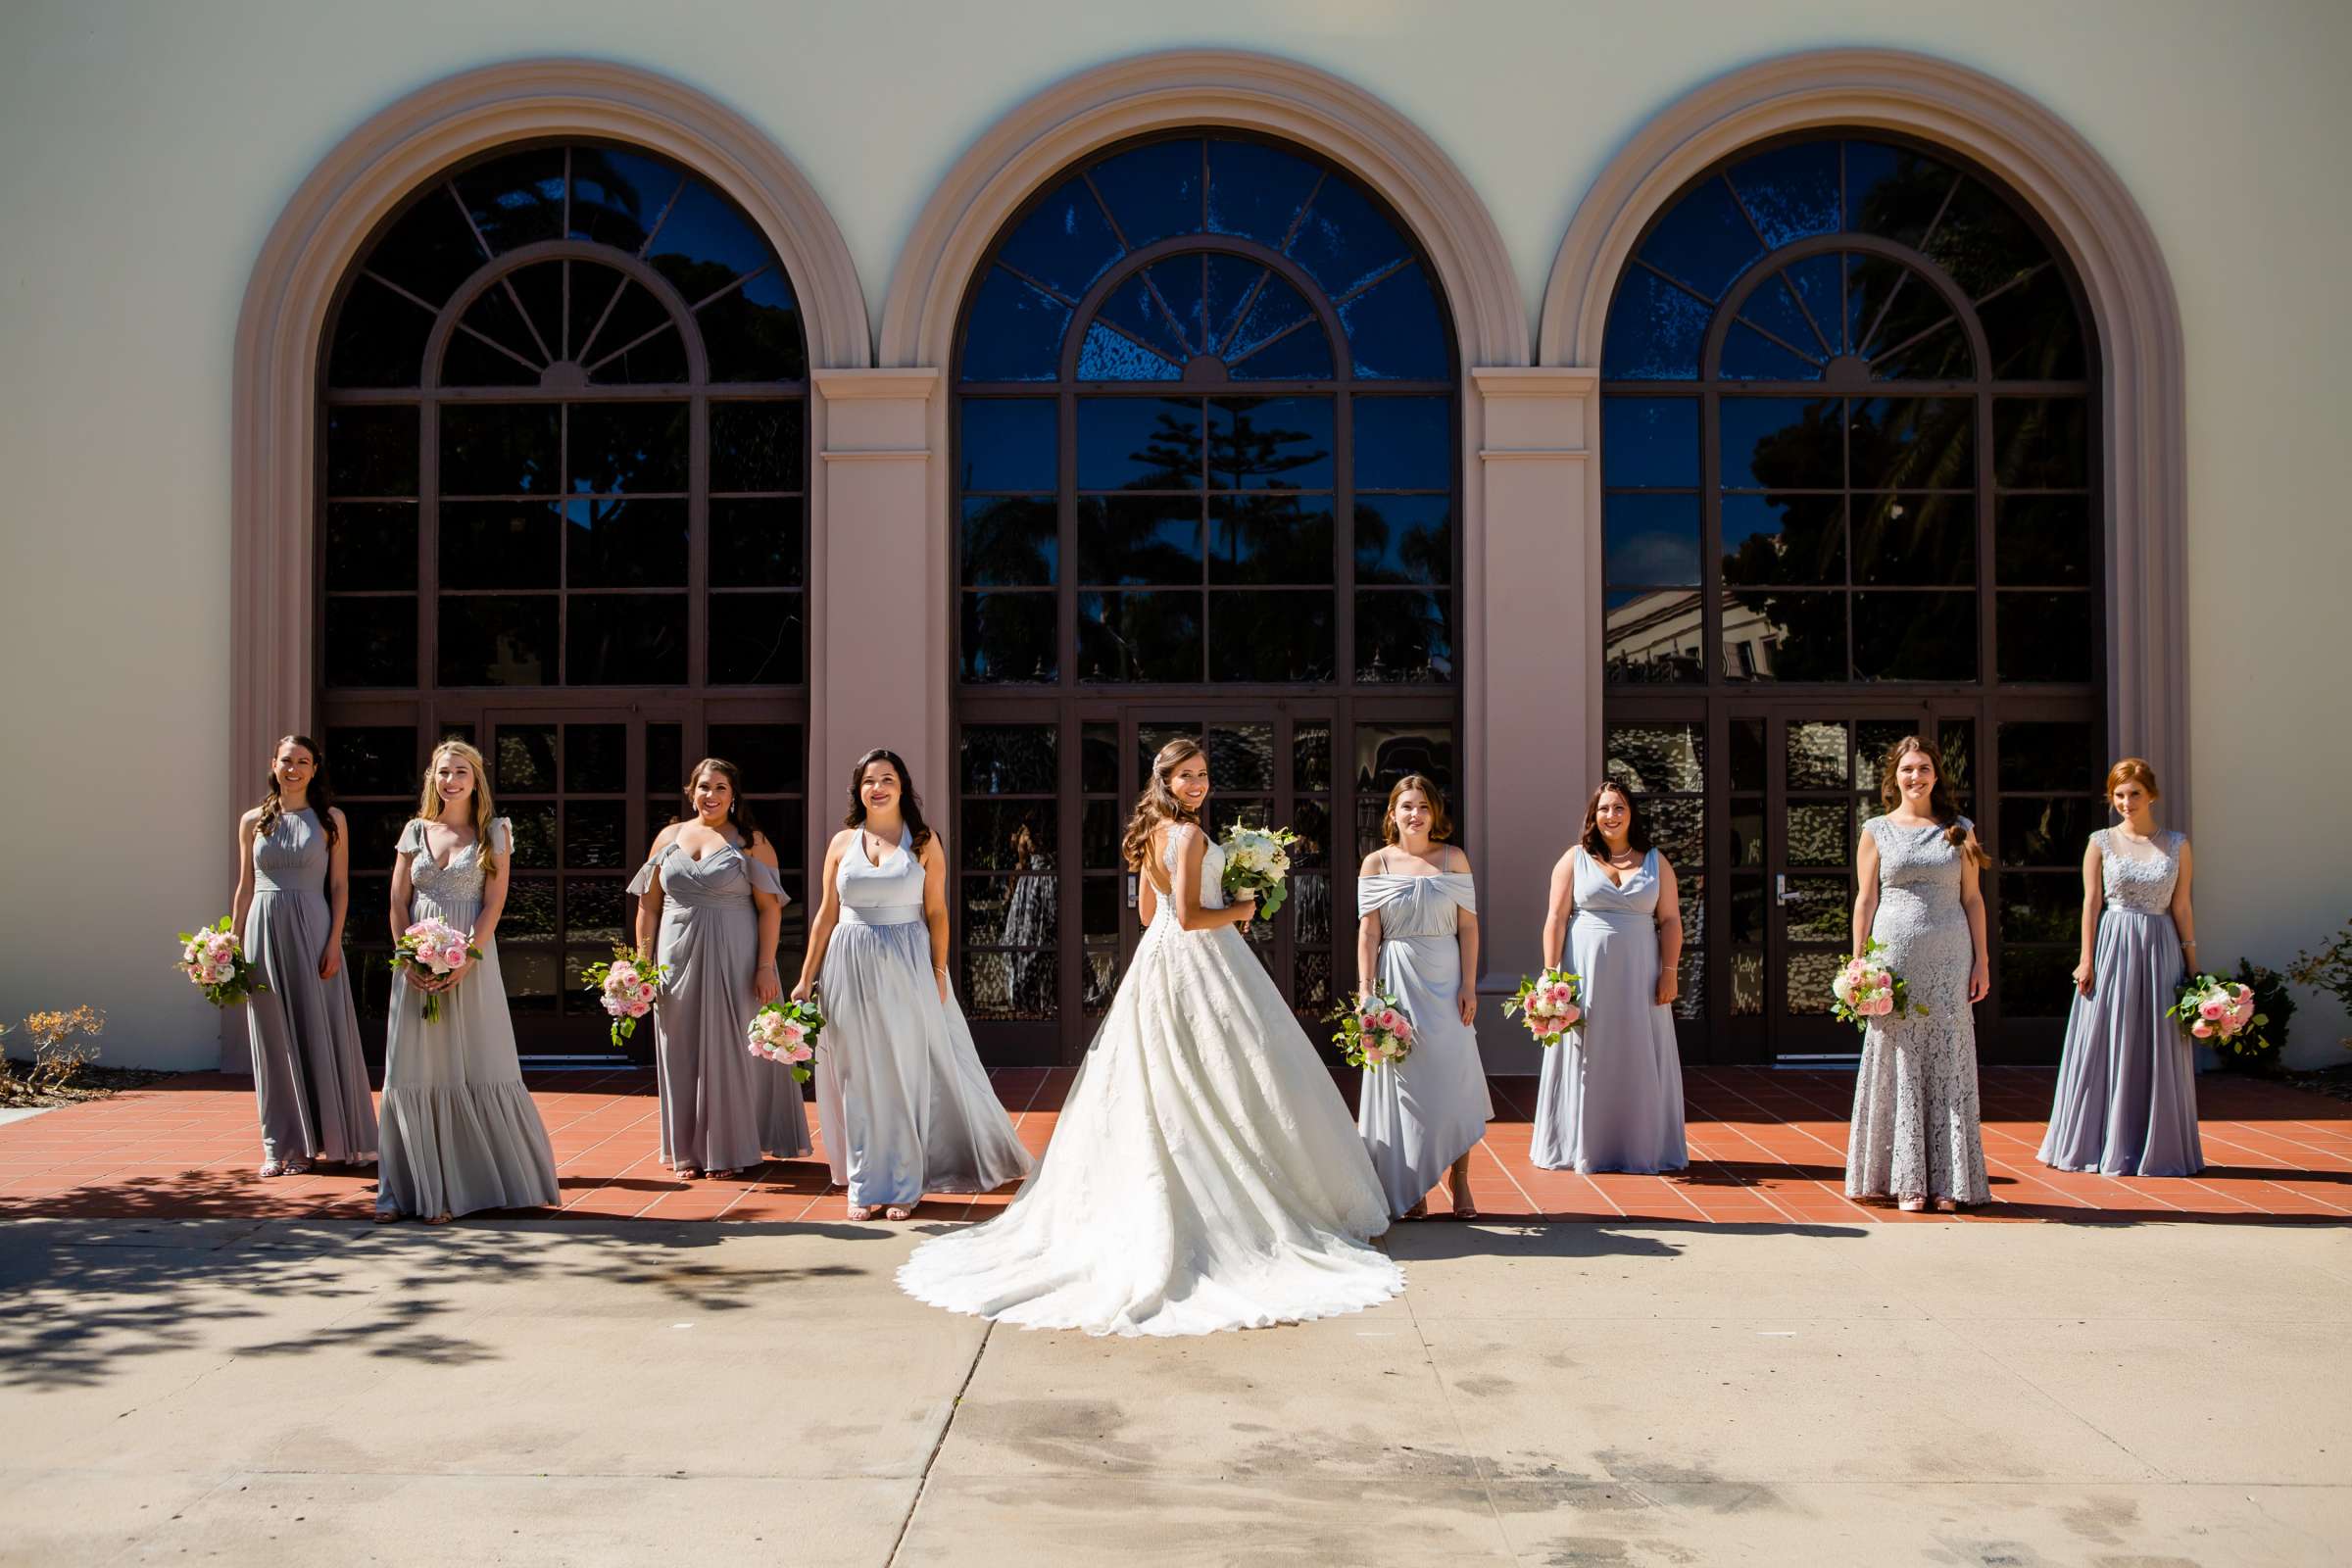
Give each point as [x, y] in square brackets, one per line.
[1205, 1174]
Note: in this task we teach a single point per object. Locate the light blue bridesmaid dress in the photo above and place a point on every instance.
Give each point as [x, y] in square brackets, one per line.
[309, 1076]
[1419, 1116]
[904, 1103]
[1612, 1098]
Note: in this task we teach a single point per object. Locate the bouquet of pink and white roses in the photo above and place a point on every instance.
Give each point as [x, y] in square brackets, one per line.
[433, 948]
[626, 985]
[1373, 1031]
[216, 964]
[1866, 989]
[1259, 860]
[2220, 1010]
[1551, 1005]
[786, 1032]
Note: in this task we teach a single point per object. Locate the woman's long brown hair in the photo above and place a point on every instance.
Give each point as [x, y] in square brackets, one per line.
[1940, 805]
[1158, 805]
[910, 806]
[319, 796]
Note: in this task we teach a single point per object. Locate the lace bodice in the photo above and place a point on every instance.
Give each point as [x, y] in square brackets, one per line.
[461, 881]
[1212, 875]
[2139, 878]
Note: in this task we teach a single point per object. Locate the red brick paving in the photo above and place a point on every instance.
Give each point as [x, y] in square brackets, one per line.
[1766, 1147]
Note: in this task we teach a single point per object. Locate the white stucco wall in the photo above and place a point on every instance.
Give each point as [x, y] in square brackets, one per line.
[151, 145]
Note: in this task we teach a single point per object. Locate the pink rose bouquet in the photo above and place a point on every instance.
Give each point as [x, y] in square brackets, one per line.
[1551, 1005]
[433, 948]
[625, 986]
[786, 1032]
[1373, 1031]
[2222, 1012]
[216, 965]
[1866, 989]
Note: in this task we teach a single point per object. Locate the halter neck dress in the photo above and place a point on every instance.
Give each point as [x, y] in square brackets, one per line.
[310, 1077]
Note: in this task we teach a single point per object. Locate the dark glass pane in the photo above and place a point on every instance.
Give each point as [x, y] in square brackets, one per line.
[1387, 753]
[1679, 829]
[380, 338]
[1279, 337]
[522, 761]
[1886, 305]
[1646, 442]
[1181, 282]
[1652, 538]
[1271, 636]
[1312, 820]
[371, 451]
[756, 640]
[1747, 924]
[2045, 637]
[497, 640]
[1703, 239]
[530, 911]
[1982, 241]
[1782, 443]
[533, 976]
[1396, 329]
[1229, 284]
[1873, 739]
[534, 839]
[2036, 982]
[1006, 910]
[1014, 331]
[1651, 637]
[1817, 908]
[756, 446]
[1915, 636]
[616, 195]
[633, 448]
[372, 759]
[493, 347]
[517, 200]
[1300, 356]
[1139, 444]
[703, 244]
[1775, 539]
[1404, 539]
[371, 642]
[1140, 636]
[1346, 241]
[539, 290]
[1651, 759]
[499, 448]
[2044, 541]
[1009, 637]
[596, 759]
[1404, 635]
[1270, 539]
[1241, 756]
[499, 544]
[1748, 836]
[1956, 746]
[753, 334]
[1655, 331]
[592, 920]
[1404, 443]
[2042, 443]
[656, 360]
[370, 547]
[2052, 832]
[665, 757]
[630, 639]
[1819, 833]
[1937, 352]
[1779, 635]
[1255, 190]
[625, 544]
[1912, 539]
[1142, 316]
[1747, 753]
[2034, 331]
[1815, 754]
[1106, 356]
[1269, 444]
[1153, 191]
[1009, 835]
[756, 544]
[375, 839]
[593, 834]
[772, 757]
[2041, 907]
[1099, 759]
[1920, 443]
[1892, 192]
[1009, 444]
[1011, 541]
[430, 249]
[611, 312]
[1750, 356]
[785, 824]
[1012, 986]
[1009, 760]
[1791, 192]
[1139, 539]
[1065, 243]
[1312, 985]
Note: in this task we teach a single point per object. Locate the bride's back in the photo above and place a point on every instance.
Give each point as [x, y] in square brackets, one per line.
[1168, 841]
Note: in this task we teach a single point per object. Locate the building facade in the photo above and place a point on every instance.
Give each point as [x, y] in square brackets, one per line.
[1703, 418]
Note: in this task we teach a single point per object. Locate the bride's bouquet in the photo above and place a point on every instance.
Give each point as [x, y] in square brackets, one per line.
[2219, 1010]
[786, 1032]
[1258, 859]
[433, 948]
[1866, 989]
[626, 986]
[1551, 1005]
[216, 965]
[1373, 1031]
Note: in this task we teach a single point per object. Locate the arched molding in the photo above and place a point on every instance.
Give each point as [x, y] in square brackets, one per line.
[2094, 219]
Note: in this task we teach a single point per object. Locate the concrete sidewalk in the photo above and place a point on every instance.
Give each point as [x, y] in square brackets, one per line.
[316, 1393]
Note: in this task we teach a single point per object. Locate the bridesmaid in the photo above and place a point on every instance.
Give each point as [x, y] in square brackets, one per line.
[1418, 940]
[1612, 1100]
[293, 891]
[904, 1102]
[2127, 1102]
[1915, 1130]
[460, 1130]
[709, 907]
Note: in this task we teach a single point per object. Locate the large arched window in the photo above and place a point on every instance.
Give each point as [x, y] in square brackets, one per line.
[562, 514]
[1849, 452]
[1205, 477]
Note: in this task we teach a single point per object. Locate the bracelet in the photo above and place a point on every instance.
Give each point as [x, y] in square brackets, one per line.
[770, 964]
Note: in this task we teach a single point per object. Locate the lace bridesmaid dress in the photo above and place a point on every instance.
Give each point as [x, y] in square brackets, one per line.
[1420, 1115]
[308, 1074]
[1915, 1131]
[459, 1130]
[2127, 1102]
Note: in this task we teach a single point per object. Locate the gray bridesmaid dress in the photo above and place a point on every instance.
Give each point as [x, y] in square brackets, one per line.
[459, 1130]
[722, 1108]
[1611, 1095]
[1419, 1116]
[2127, 1102]
[308, 1070]
[1915, 1131]
[905, 1104]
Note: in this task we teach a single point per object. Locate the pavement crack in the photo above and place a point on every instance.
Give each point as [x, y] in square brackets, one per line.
[922, 1482]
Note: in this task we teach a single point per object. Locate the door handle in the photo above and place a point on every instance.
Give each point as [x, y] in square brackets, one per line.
[1779, 890]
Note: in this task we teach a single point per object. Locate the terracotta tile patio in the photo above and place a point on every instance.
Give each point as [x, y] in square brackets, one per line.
[1767, 1148]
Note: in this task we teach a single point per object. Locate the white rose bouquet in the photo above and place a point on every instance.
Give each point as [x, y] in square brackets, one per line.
[1258, 859]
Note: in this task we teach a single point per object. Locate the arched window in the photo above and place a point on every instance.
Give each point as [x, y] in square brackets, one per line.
[1848, 448]
[562, 514]
[1205, 475]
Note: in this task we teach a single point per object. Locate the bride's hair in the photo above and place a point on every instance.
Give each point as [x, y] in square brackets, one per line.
[1158, 803]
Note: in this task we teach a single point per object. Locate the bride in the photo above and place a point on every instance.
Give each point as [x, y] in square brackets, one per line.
[1205, 1174]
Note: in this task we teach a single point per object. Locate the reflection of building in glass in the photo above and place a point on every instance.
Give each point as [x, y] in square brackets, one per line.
[1657, 637]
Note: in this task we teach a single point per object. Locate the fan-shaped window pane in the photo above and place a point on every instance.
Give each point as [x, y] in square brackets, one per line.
[1154, 191]
[1065, 244]
[1791, 192]
[517, 200]
[1655, 331]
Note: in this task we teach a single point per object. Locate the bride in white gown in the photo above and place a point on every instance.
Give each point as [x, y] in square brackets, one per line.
[1205, 1174]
